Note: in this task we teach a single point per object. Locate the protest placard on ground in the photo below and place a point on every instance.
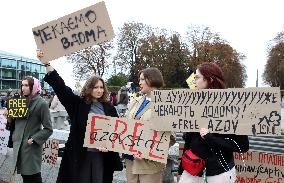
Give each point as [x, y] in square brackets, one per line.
[74, 32]
[127, 136]
[259, 167]
[50, 151]
[17, 107]
[251, 111]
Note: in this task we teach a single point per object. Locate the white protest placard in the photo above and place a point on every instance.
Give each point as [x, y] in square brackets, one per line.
[50, 151]
[259, 167]
[60, 135]
[4, 135]
[74, 32]
[251, 111]
[127, 136]
[4, 138]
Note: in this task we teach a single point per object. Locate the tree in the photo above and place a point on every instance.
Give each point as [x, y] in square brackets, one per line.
[168, 54]
[119, 79]
[274, 69]
[206, 46]
[178, 60]
[129, 39]
[90, 61]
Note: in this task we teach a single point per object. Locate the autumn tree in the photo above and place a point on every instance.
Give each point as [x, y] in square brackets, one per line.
[274, 69]
[128, 40]
[207, 46]
[91, 61]
[165, 51]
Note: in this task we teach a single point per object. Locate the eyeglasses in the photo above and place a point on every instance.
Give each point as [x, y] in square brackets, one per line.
[197, 77]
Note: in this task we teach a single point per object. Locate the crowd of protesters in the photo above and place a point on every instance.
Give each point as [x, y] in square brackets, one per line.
[97, 165]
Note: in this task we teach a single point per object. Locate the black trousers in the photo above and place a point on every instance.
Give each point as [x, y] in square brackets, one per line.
[35, 178]
[92, 170]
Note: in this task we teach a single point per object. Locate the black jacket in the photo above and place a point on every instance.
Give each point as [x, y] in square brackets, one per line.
[216, 149]
[74, 151]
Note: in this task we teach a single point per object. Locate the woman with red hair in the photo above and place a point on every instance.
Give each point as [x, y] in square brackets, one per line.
[215, 150]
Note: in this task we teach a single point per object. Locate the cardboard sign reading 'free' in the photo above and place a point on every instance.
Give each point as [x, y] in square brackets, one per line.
[74, 32]
[127, 136]
[17, 107]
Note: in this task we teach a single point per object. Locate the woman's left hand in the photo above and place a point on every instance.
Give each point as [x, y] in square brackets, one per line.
[203, 132]
[5, 113]
[30, 141]
[103, 149]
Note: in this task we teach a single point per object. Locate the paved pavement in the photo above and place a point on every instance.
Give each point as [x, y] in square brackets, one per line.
[49, 173]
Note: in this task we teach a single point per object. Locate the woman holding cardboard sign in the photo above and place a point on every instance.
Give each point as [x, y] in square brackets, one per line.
[81, 164]
[212, 153]
[143, 170]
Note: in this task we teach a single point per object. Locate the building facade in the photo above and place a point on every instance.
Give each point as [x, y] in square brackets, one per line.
[14, 68]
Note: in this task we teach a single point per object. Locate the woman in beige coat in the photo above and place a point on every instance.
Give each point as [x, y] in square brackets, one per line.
[143, 170]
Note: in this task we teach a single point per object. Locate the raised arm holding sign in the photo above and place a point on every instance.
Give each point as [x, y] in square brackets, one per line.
[81, 164]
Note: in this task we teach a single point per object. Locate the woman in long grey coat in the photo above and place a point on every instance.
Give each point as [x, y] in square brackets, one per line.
[29, 136]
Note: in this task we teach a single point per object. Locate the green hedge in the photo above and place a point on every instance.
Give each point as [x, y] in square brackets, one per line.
[113, 88]
[282, 93]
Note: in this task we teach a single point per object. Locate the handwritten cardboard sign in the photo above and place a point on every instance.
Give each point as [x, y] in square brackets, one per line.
[259, 167]
[4, 135]
[252, 111]
[50, 151]
[4, 138]
[127, 136]
[17, 107]
[74, 32]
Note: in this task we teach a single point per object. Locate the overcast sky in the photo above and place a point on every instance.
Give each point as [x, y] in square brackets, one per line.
[248, 25]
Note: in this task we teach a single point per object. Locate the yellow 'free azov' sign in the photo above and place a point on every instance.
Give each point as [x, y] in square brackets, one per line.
[17, 107]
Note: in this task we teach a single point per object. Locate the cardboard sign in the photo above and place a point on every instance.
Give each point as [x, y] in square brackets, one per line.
[127, 136]
[252, 111]
[17, 107]
[4, 135]
[259, 167]
[4, 138]
[50, 151]
[74, 32]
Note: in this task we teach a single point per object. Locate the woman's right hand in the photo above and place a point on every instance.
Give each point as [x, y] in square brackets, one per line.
[40, 55]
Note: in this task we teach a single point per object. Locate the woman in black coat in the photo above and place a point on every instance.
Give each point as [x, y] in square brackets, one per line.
[81, 164]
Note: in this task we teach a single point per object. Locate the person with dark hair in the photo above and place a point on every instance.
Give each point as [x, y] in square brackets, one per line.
[122, 101]
[215, 149]
[81, 164]
[113, 99]
[31, 132]
[58, 113]
[143, 170]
